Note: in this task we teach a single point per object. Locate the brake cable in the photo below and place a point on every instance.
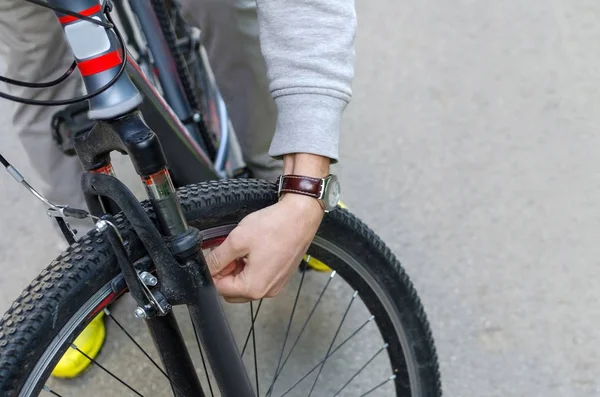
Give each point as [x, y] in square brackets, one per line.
[58, 212]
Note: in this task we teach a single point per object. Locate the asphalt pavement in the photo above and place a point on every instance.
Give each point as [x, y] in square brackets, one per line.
[470, 147]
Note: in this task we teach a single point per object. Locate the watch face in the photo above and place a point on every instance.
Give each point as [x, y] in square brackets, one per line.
[332, 195]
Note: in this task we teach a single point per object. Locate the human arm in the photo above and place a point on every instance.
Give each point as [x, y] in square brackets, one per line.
[308, 47]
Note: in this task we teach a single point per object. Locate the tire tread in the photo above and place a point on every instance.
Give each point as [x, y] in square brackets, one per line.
[24, 327]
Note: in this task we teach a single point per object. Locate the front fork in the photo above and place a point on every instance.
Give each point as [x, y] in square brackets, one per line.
[183, 276]
[182, 281]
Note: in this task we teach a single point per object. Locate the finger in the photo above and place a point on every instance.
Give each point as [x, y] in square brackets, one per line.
[232, 268]
[239, 267]
[233, 247]
[237, 300]
[233, 288]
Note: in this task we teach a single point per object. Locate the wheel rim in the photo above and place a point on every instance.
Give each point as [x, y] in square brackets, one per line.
[105, 296]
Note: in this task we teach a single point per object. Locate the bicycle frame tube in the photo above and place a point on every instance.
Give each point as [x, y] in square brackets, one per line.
[164, 62]
[187, 161]
[228, 153]
[183, 274]
[228, 157]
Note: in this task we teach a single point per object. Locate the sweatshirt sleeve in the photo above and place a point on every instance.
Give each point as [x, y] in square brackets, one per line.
[308, 46]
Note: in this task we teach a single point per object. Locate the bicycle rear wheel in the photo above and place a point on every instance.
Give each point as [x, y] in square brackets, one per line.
[317, 320]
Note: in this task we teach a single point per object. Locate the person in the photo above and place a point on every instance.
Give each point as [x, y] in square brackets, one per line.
[285, 70]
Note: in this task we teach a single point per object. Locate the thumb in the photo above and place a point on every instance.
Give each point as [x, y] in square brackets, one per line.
[229, 251]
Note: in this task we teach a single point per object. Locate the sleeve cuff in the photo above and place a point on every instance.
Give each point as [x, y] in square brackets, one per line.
[308, 123]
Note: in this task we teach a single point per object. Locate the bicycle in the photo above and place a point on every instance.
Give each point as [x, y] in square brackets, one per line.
[198, 139]
[152, 253]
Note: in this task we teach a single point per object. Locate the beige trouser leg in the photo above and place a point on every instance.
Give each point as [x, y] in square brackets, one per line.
[230, 35]
[33, 48]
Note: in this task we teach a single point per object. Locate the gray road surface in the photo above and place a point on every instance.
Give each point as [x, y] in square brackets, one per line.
[471, 148]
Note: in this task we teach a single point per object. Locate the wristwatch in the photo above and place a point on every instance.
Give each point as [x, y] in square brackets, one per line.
[326, 190]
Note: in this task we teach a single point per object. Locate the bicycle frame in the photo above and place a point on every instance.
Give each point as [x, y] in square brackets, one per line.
[191, 163]
[182, 272]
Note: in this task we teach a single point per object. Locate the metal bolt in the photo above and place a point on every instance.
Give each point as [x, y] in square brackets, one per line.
[101, 225]
[140, 312]
[196, 117]
[148, 279]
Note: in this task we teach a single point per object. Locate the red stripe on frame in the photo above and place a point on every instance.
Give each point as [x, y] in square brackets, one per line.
[100, 64]
[90, 11]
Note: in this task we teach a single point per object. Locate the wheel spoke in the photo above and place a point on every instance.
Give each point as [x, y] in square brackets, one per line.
[379, 385]
[49, 390]
[109, 314]
[352, 335]
[107, 371]
[251, 327]
[312, 311]
[254, 345]
[203, 361]
[287, 334]
[361, 369]
[354, 295]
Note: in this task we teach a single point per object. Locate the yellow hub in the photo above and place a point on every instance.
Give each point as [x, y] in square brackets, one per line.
[90, 341]
[316, 264]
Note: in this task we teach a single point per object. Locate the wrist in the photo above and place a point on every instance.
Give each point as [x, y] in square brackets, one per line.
[303, 204]
[306, 179]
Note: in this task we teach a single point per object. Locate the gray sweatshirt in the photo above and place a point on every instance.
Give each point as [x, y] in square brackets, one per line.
[308, 46]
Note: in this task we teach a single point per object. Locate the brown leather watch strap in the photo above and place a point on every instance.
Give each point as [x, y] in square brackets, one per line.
[301, 185]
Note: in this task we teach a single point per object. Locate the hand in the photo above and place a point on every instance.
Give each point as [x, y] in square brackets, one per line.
[260, 255]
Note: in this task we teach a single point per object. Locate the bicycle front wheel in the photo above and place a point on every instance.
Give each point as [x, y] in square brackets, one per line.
[358, 329]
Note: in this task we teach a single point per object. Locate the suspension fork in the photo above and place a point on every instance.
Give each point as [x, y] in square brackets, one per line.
[190, 283]
[187, 280]
[184, 280]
